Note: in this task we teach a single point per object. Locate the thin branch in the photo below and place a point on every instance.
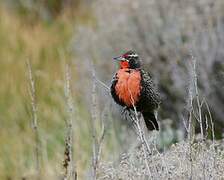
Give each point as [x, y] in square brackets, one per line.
[100, 142]
[32, 92]
[68, 163]
[103, 84]
[197, 97]
[141, 135]
[213, 136]
[97, 143]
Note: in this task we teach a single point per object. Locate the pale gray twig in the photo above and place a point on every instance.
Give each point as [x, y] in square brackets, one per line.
[97, 143]
[32, 92]
[68, 162]
[102, 83]
[140, 132]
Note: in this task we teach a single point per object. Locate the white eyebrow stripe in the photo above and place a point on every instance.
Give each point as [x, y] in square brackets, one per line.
[133, 55]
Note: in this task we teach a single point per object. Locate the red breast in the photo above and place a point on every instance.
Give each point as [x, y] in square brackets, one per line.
[128, 86]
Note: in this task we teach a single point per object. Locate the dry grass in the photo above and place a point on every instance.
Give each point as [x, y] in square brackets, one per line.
[175, 163]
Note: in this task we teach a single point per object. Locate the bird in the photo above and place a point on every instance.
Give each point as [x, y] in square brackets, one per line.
[132, 87]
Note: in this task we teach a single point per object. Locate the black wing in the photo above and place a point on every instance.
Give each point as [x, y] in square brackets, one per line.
[149, 97]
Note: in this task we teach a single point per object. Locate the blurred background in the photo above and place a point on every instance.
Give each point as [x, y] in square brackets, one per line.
[167, 34]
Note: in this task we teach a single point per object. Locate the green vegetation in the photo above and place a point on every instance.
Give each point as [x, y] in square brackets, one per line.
[46, 46]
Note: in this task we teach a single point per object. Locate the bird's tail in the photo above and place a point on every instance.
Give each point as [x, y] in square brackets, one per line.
[150, 120]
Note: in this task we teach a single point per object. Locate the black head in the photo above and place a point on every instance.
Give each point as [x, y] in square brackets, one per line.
[129, 59]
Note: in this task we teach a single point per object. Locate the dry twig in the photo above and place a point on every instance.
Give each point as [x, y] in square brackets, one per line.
[97, 143]
[32, 92]
[141, 134]
[68, 163]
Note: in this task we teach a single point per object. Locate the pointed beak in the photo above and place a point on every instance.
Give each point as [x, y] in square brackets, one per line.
[119, 58]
